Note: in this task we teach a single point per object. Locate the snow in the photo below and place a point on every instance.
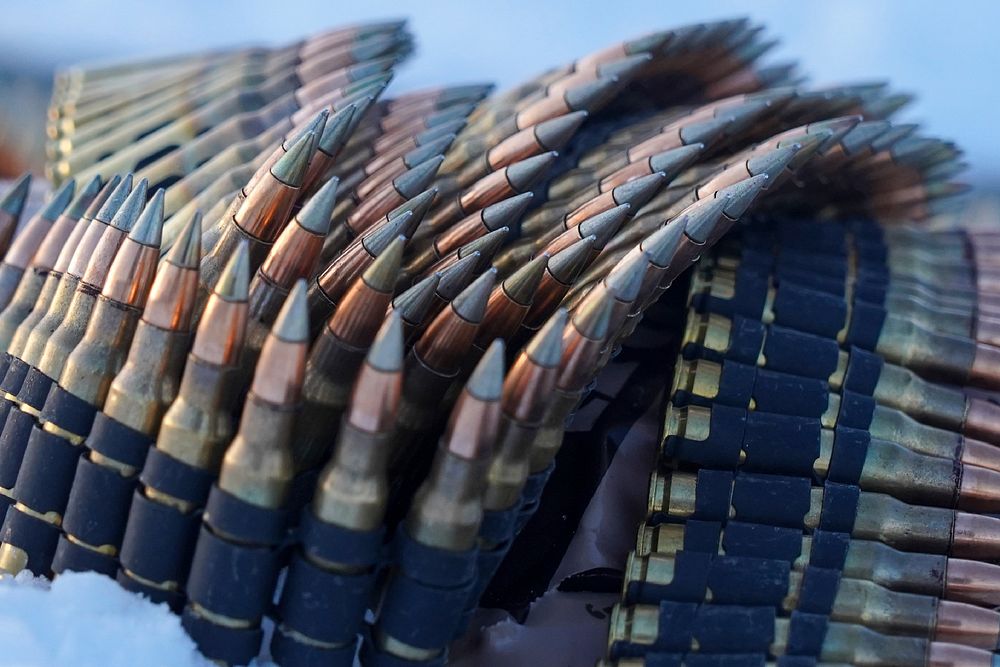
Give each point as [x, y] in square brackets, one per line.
[84, 620]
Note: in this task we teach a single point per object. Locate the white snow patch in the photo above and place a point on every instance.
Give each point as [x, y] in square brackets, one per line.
[87, 620]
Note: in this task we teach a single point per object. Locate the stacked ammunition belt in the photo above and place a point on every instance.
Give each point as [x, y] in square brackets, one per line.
[816, 500]
[322, 374]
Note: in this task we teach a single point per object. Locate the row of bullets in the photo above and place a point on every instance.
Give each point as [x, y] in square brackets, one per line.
[813, 483]
[246, 371]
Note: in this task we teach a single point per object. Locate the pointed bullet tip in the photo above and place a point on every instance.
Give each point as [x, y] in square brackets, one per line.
[13, 201]
[555, 133]
[521, 285]
[592, 317]
[233, 283]
[186, 250]
[486, 381]
[115, 200]
[386, 352]
[59, 201]
[384, 271]
[130, 210]
[317, 213]
[148, 229]
[292, 323]
[566, 265]
[470, 304]
[291, 167]
[625, 278]
[545, 347]
[604, 225]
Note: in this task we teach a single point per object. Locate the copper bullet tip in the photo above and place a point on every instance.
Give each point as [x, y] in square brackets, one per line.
[701, 219]
[386, 352]
[545, 347]
[131, 209]
[84, 198]
[555, 133]
[413, 304]
[741, 195]
[234, 281]
[382, 273]
[979, 490]
[291, 167]
[13, 202]
[593, 317]
[567, 264]
[507, 212]
[412, 182]
[58, 202]
[520, 286]
[976, 537]
[639, 191]
[673, 162]
[604, 225]
[116, 200]
[148, 229]
[317, 213]
[973, 581]
[455, 277]
[470, 304]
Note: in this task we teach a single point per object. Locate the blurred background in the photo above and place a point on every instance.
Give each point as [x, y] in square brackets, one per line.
[945, 53]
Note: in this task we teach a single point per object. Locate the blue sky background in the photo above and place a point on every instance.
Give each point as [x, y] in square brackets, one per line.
[946, 52]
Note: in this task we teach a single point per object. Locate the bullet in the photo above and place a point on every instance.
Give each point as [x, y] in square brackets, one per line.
[192, 438]
[255, 476]
[583, 338]
[602, 226]
[413, 304]
[485, 248]
[339, 353]
[137, 398]
[350, 500]
[261, 216]
[342, 236]
[18, 255]
[527, 393]
[925, 574]
[879, 517]
[329, 287]
[509, 302]
[402, 188]
[513, 179]
[294, 255]
[549, 135]
[504, 213]
[637, 628]
[408, 161]
[26, 296]
[85, 375]
[561, 271]
[447, 509]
